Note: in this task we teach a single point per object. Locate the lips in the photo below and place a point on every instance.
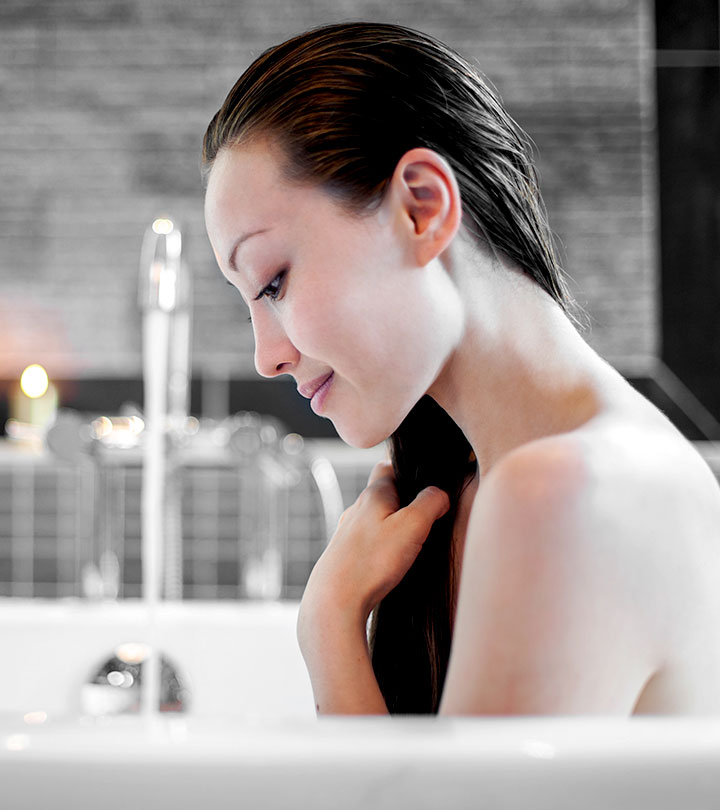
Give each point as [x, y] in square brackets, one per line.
[309, 388]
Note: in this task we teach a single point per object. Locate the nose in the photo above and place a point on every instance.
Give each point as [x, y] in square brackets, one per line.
[274, 351]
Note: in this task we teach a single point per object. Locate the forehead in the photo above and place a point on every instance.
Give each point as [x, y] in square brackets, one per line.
[248, 191]
[244, 181]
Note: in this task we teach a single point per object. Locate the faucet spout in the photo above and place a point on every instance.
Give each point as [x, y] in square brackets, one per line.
[161, 274]
[166, 287]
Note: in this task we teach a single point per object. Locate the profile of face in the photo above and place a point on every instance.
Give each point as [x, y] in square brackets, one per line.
[359, 309]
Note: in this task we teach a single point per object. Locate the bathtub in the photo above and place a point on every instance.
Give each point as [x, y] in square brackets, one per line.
[236, 658]
[250, 737]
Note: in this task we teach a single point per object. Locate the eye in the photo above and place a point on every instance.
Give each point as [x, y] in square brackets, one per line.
[272, 291]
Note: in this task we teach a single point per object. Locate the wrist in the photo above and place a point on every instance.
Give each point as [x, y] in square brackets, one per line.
[324, 623]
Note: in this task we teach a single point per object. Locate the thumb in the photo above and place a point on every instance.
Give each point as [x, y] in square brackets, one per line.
[430, 504]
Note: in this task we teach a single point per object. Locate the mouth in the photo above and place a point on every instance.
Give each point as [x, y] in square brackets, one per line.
[309, 389]
[316, 391]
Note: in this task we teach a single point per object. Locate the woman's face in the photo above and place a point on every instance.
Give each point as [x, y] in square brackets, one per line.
[332, 295]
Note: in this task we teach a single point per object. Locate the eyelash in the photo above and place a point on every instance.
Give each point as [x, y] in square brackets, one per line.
[273, 293]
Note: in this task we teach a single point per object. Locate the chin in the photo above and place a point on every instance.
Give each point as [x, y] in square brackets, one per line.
[362, 441]
[364, 436]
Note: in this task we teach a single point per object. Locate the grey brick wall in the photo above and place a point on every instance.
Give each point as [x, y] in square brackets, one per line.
[103, 104]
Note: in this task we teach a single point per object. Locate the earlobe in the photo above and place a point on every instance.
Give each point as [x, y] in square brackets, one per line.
[430, 198]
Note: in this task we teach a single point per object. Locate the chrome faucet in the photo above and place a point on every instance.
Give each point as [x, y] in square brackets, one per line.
[165, 298]
[166, 287]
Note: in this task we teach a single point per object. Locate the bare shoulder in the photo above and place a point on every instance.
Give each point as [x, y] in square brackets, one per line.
[615, 479]
[632, 508]
[549, 507]
[576, 568]
[543, 479]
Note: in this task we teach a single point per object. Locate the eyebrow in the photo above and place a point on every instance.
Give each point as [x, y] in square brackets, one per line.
[238, 242]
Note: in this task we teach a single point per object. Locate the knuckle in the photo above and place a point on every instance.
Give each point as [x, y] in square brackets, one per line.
[345, 515]
[375, 488]
[380, 469]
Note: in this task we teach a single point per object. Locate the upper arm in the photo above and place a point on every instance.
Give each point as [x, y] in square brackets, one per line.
[545, 622]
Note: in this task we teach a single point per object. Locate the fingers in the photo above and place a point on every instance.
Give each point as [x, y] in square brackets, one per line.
[430, 504]
[383, 469]
[380, 490]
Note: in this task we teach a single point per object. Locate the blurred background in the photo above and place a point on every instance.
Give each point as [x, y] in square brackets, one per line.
[103, 105]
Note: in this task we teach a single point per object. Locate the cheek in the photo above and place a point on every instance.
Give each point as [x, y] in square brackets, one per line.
[324, 323]
[315, 327]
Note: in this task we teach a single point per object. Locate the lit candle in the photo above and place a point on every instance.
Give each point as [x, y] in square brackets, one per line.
[34, 399]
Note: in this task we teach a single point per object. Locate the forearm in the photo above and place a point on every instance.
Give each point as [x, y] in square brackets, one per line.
[374, 545]
[338, 660]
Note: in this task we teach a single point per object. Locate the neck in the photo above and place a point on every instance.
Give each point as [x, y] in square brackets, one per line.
[520, 371]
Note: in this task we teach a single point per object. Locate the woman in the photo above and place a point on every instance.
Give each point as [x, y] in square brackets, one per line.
[544, 541]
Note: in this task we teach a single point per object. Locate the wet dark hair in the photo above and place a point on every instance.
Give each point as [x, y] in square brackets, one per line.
[345, 102]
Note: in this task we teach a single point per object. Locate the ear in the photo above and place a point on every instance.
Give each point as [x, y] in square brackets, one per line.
[428, 198]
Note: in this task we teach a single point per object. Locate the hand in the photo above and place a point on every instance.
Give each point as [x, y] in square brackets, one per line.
[372, 549]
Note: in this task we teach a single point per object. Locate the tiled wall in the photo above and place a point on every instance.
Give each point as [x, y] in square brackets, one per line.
[104, 104]
[58, 520]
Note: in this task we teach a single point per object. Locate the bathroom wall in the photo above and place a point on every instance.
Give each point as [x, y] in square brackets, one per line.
[72, 530]
[104, 104]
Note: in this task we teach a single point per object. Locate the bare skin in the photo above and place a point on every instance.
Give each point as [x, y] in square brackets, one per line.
[590, 543]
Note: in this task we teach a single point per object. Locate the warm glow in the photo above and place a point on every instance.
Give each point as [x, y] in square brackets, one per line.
[35, 718]
[136, 425]
[132, 653]
[34, 381]
[118, 431]
[102, 427]
[163, 226]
